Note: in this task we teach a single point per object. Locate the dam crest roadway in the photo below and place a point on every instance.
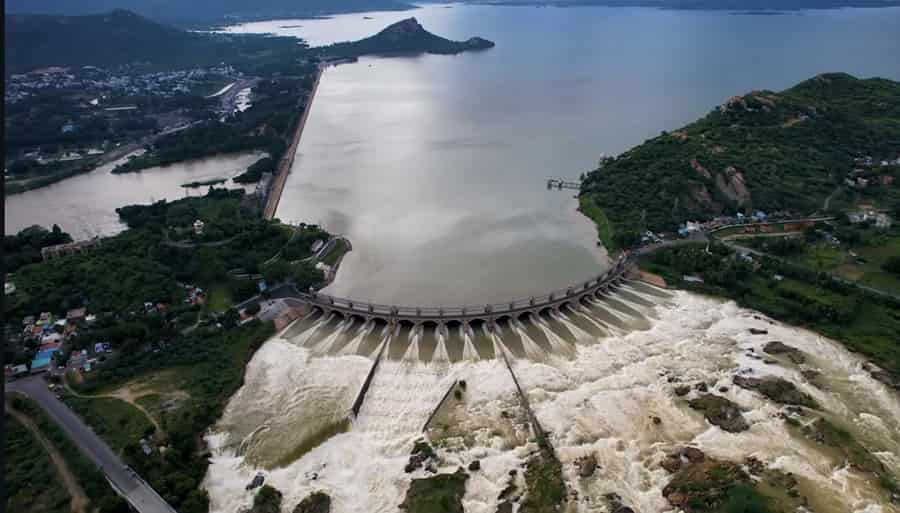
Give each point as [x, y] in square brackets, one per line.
[489, 313]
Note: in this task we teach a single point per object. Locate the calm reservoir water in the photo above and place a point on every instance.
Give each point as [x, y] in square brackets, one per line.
[435, 166]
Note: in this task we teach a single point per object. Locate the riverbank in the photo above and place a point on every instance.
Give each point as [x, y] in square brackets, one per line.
[287, 160]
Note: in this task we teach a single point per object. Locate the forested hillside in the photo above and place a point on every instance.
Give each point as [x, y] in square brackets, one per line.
[765, 150]
[118, 38]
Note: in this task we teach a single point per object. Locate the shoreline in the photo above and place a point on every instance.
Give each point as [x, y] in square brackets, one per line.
[287, 161]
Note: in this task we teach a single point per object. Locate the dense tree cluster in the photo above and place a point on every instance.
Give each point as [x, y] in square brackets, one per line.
[24, 247]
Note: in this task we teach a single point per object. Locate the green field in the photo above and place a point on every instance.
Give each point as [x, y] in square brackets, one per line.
[874, 248]
[119, 423]
[219, 299]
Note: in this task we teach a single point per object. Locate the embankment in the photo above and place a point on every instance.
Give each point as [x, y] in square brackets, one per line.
[287, 161]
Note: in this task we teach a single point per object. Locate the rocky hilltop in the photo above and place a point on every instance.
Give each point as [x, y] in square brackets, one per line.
[406, 36]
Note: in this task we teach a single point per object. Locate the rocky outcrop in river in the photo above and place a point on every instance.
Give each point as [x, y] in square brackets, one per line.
[721, 412]
[777, 389]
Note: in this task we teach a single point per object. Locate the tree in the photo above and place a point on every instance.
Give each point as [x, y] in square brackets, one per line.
[306, 275]
[113, 504]
[276, 272]
[267, 500]
[892, 265]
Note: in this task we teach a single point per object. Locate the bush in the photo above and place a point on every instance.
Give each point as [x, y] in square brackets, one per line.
[892, 265]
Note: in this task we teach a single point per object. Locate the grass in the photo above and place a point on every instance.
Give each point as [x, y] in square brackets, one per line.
[341, 247]
[119, 423]
[442, 493]
[604, 228]
[29, 476]
[219, 299]
[546, 490]
[877, 247]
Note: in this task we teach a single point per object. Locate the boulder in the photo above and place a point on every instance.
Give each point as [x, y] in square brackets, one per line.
[721, 412]
[778, 348]
[586, 465]
[674, 461]
[879, 374]
[777, 389]
[316, 502]
[682, 390]
[614, 501]
[475, 466]
[703, 485]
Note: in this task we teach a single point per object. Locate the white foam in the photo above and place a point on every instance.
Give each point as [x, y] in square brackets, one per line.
[600, 401]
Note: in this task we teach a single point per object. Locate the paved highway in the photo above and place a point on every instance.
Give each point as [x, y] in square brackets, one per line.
[124, 480]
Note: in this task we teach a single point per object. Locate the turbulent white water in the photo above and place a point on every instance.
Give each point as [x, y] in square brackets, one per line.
[601, 400]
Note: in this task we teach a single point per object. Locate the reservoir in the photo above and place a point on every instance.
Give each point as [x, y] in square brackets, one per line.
[435, 167]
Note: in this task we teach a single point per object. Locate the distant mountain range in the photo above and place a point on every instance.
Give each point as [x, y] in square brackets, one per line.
[406, 36]
[106, 40]
[211, 12]
[194, 12]
[122, 37]
[750, 6]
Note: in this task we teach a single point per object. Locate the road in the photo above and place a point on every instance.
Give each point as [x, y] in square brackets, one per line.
[125, 481]
[287, 160]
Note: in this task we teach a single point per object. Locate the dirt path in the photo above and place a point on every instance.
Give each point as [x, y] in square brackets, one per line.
[831, 196]
[79, 501]
[123, 394]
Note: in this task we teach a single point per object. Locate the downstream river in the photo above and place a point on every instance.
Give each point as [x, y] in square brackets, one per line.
[85, 205]
[435, 167]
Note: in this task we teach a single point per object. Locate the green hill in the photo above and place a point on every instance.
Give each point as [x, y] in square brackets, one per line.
[406, 36]
[765, 150]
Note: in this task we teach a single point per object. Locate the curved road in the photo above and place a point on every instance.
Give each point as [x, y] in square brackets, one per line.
[125, 481]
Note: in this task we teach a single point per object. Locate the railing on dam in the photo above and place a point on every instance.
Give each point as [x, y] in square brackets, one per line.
[371, 310]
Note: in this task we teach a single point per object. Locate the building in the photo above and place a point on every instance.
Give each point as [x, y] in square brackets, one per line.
[76, 315]
[11, 371]
[198, 227]
[69, 248]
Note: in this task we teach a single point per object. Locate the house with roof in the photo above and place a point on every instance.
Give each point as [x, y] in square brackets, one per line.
[76, 315]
